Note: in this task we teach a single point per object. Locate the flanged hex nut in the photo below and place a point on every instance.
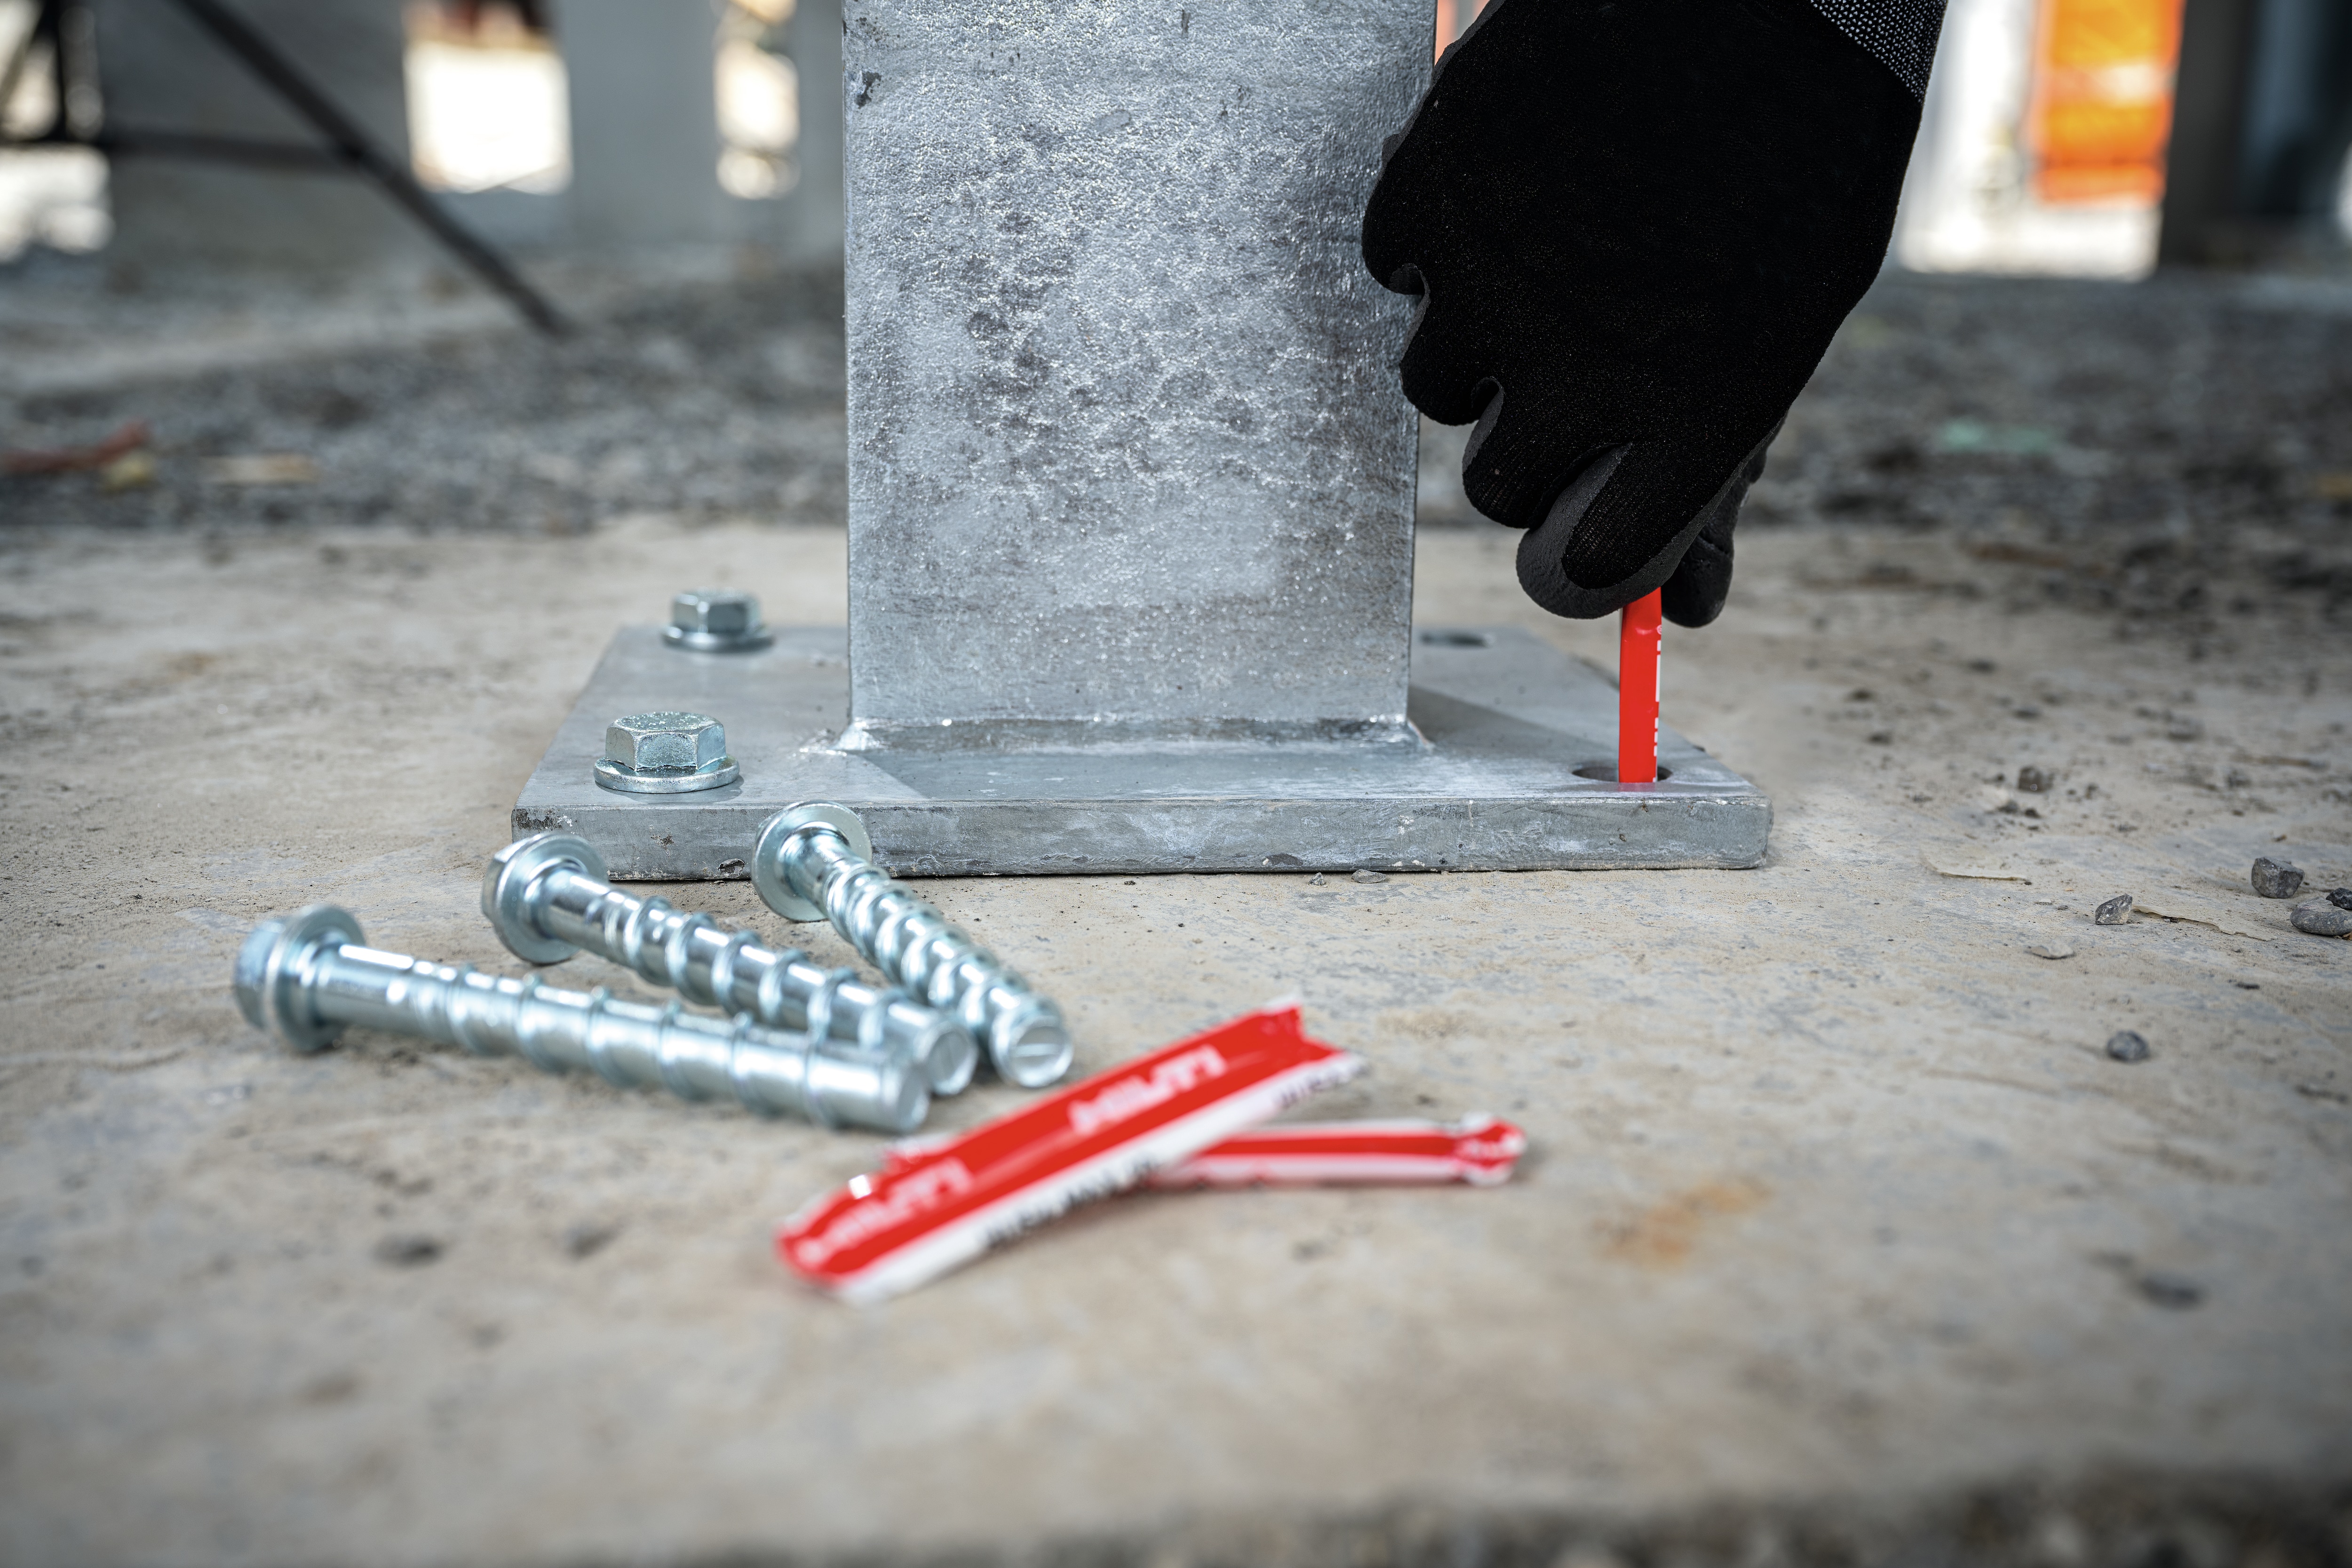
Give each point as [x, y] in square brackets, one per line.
[665, 753]
[715, 620]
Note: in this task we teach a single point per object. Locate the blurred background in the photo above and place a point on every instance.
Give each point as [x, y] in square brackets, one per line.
[485, 101]
[297, 338]
[270, 329]
[2046, 148]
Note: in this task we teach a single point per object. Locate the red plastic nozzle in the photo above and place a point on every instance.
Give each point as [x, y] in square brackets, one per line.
[1639, 642]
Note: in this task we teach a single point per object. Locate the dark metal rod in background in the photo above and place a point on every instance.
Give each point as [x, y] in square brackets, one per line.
[278, 156]
[354, 147]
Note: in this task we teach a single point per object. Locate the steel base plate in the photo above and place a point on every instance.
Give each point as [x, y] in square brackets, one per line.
[1505, 723]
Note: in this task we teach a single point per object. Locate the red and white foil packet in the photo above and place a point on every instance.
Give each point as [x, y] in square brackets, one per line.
[1478, 1150]
[937, 1204]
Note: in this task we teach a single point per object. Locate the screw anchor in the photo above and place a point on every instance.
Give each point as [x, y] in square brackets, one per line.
[812, 862]
[313, 975]
[548, 897]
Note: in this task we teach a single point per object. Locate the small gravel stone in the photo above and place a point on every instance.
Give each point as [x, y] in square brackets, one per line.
[1316, 880]
[2050, 950]
[2033, 779]
[2341, 897]
[2277, 879]
[2322, 918]
[2172, 1291]
[588, 1238]
[1368, 877]
[2115, 912]
[408, 1251]
[2128, 1045]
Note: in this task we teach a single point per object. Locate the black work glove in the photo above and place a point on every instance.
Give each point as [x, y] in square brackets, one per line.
[1634, 225]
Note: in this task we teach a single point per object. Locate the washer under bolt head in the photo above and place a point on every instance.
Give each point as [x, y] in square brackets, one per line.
[715, 620]
[665, 753]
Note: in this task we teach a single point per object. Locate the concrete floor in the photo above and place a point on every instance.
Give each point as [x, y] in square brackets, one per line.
[1836, 1209]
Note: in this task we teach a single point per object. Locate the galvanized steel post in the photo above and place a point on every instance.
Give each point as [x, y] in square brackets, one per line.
[1128, 458]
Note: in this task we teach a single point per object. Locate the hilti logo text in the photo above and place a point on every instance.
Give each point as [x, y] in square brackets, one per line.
[907, 1197]
[1133, 1096]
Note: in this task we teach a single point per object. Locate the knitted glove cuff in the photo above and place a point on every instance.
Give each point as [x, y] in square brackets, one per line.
[1899, 34]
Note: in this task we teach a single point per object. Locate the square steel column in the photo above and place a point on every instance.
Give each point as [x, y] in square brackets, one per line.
[1130, 495]
[1126, 445]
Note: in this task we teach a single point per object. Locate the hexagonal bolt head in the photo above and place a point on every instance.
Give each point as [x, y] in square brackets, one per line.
[715, 612]
[665, 743]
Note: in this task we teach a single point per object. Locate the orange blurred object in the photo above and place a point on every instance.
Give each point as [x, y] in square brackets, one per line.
[2102, 107]
[1453, 17]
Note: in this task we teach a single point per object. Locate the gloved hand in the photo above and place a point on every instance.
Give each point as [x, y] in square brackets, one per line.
[1634, 225]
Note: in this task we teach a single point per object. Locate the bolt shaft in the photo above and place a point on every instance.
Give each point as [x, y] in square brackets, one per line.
[548, 897]
[313, 976]
[816, 864]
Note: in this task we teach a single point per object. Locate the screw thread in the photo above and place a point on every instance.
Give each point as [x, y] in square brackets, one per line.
[540, 885]
[312, 977]
[922, 949]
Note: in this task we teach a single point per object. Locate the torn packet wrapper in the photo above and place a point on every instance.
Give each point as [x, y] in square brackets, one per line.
[1478, 1150]
[939, 1205]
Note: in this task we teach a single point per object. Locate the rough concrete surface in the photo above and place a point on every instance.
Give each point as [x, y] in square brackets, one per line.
[1842, 1240]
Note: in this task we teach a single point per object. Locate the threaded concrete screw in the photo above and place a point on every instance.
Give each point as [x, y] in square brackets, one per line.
[812, 863]
[547, 897]
[312, 976]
